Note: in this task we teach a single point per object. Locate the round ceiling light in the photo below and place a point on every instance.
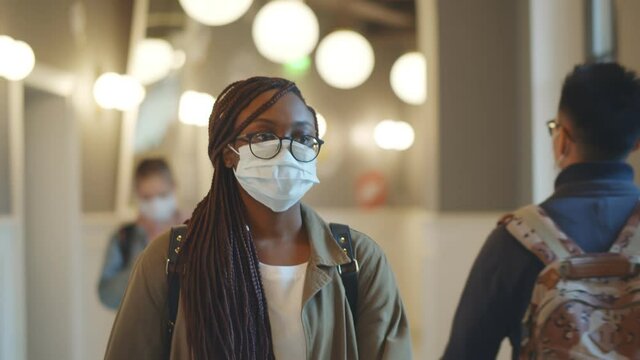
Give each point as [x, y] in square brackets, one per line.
[394, 135]
[344, 59]
[120, 92]
[153, 60]
[285, 31]
[17, 60]
[215, 12]
[409, 78]
[322, 125]
[195, 108]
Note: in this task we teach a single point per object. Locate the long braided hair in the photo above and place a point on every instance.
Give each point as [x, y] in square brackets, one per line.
[223, 299]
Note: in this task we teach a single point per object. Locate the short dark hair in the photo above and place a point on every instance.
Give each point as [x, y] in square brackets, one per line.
[603, 103]
[152, 167]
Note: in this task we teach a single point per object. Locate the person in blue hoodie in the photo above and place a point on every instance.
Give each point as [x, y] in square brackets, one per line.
[596, 129]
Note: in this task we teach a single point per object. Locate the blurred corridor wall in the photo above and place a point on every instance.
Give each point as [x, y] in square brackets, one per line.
[501, 67]
[5, 175]
[557, 43]
[85, 38]
[478, 62]
[628, 18]
[74, 40]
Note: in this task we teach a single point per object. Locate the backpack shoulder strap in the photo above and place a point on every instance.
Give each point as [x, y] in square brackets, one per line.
[125, 239]
[348, 272]
[628, 241]
[536, 231]
[177, 237]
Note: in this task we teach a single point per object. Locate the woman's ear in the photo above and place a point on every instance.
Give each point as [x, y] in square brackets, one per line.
[229, 157]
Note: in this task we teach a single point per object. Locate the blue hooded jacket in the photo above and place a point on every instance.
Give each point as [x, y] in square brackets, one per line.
[591, 204]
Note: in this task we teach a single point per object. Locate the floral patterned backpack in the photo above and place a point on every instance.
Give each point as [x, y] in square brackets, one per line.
[583, 306]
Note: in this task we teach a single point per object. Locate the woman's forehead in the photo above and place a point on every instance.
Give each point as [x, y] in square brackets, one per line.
[288, 109]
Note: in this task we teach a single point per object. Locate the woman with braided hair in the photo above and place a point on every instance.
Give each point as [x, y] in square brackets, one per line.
[260, 273]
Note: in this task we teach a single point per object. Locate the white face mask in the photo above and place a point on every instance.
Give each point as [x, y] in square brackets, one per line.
[159, 209]
[278, 183]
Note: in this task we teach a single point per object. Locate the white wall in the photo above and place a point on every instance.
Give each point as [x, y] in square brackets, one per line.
[52, 227]
[557, 36]
[628, 18]
[5, 172]
[96, 318]
[12, 342]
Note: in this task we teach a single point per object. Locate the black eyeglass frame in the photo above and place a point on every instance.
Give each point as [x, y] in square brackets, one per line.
[249, 137]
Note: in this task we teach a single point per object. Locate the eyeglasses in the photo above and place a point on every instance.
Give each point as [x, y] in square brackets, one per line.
[552, 125]
[304, 148]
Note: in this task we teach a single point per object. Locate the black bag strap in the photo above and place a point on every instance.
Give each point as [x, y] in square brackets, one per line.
[125, 240]
[177, 237]
[348, 272]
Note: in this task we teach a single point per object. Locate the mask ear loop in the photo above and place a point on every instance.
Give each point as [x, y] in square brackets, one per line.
[232, 149]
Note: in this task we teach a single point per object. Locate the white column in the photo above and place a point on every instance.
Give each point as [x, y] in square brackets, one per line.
[129, 118]
[557, 34]
[14, 318]
[425, 153]
[424, 177]
[52, 226]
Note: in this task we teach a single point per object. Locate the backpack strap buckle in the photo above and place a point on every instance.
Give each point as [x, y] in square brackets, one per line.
[601, 265]
[352, 267]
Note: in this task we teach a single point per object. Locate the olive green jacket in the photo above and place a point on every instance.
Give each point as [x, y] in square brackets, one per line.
[382, 331]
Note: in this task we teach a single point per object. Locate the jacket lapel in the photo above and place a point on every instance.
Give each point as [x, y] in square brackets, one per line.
[325, 256]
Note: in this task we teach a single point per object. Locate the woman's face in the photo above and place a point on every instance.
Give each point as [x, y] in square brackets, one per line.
[287, 117]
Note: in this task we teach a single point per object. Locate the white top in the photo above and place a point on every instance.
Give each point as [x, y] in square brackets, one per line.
[283, 287]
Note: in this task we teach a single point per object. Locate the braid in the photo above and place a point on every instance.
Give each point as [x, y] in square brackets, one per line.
[223, 299]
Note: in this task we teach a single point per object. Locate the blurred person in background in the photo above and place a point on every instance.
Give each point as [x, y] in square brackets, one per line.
[260, 273]
[595, 207]
[155, 194]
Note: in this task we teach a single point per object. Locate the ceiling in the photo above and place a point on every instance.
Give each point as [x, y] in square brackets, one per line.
[371, 17]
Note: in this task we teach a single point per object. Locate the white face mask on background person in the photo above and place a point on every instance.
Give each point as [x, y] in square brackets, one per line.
[159, 209]
[280, 182]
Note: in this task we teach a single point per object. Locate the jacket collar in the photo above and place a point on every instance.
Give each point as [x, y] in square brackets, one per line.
[596, 179]
[596, 171]
[324, 249]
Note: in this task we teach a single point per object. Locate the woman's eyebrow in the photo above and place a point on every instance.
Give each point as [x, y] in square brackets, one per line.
[265, 121]
[273, 122]
[302, 123]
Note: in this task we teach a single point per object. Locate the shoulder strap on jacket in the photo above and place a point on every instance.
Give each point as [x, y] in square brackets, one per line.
[348, 272]
[125, 240]
[534, 229]
[177, 237]
[628, 241]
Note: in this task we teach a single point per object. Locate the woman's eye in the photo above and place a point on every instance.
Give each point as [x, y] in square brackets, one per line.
[262, 137]
[307, 140]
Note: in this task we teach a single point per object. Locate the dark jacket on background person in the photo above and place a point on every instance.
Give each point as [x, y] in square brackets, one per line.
[381, 332]
[591, 204]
